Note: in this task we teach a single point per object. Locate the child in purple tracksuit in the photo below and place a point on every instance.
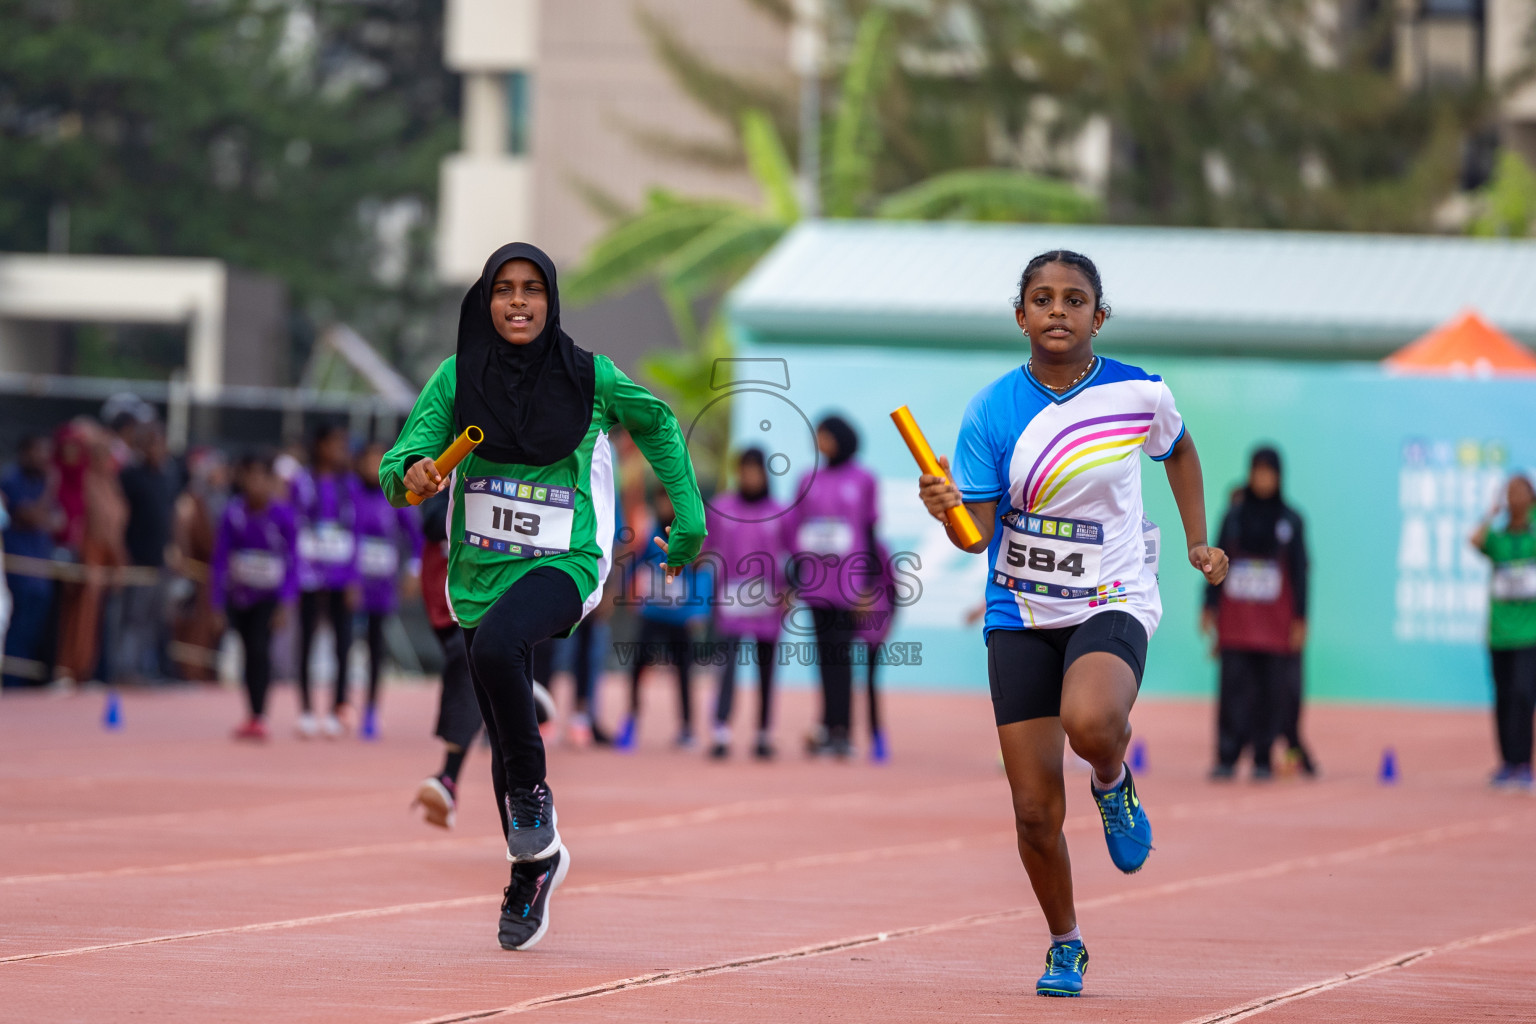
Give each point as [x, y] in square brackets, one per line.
[325, 502]
[382, 530]
[833, 530]
[746, 536]
[254, 572]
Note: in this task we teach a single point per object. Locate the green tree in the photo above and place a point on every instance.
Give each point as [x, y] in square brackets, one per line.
[694, 249]
[1232, 113]
[1508, 201]
[271, 135]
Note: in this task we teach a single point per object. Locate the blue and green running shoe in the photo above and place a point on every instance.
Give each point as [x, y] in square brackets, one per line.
[1064, 966]
[1126, 828]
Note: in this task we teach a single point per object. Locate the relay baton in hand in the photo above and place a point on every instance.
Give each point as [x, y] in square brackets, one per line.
[462, 446]
[959, 517]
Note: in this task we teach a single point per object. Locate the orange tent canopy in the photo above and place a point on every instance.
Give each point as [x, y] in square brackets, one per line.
[1468, 345]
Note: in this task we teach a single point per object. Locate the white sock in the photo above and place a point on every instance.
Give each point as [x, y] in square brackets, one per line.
[1075, 935]
[1105, 787]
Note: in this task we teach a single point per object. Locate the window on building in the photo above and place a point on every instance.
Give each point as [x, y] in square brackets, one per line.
[519, 112]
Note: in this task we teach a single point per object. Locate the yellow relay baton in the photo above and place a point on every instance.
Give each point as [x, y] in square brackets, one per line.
[451, 457]
[959, 517]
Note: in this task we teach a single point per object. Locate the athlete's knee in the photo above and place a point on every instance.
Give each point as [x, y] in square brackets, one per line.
[1094, 731]
[500, 658]
[1038, 821]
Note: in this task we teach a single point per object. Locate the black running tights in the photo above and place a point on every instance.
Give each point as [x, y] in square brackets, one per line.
[1514, 702]
[540, 605]
[834, 646]
[664, 643]
[254, 625]
[331, 605]
[764, 651]
[375, 655]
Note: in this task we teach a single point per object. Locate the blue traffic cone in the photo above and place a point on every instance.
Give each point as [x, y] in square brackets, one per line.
[1139, 757]
[1388, 774]
[112, 715]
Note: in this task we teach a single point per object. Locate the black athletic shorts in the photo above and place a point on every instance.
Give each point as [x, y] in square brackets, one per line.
[1025, 666]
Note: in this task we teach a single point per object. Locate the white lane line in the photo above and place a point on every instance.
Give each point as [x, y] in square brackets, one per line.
[681, 819]
[820, 860]
[671, 977]
[855, 856]
[1395, 963]
[700, 816]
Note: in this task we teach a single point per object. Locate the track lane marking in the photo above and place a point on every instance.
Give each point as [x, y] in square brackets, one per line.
[1379, 848]
[699, 816]
[1394, 963]
[670, 977]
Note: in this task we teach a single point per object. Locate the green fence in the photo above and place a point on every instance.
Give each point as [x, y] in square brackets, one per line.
[1391, 474]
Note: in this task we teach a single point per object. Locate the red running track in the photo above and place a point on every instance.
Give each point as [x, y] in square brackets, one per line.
[164, 873]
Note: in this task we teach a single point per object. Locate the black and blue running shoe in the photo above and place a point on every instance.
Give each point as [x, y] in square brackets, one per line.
[1126, 828]
[1064, 966]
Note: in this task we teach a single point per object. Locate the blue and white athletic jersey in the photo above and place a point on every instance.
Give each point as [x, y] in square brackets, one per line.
[1068, 540]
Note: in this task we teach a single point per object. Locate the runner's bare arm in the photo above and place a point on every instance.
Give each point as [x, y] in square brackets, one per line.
[939, 495]
[1184, 476]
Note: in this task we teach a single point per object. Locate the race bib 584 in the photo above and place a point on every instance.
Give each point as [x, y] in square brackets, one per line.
[1048, 557]
[517, 517]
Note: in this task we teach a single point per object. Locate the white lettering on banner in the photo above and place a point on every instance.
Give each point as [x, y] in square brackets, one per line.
[1442, 583]
[1254, 579]
[378, 558]
[516, 517]
[825, 537]
[259, 570]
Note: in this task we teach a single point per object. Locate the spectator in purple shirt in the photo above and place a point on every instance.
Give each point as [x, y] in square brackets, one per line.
[253, 574]
[382, 531]
[747, 539]
[325, 501]
[833, 530]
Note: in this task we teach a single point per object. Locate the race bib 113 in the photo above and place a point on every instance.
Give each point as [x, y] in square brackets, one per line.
[517, 517]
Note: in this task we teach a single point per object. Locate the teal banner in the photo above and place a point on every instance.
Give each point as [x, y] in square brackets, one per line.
[1390, 473]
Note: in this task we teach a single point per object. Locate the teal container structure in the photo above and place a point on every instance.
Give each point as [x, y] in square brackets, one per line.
[1264, 337]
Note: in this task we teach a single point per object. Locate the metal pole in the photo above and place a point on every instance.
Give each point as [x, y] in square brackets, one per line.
[807, 46]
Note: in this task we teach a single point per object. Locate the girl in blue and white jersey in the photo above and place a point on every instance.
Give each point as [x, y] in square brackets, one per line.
[1048, 465]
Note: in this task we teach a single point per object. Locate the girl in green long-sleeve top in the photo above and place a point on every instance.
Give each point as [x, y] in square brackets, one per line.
[531, 524]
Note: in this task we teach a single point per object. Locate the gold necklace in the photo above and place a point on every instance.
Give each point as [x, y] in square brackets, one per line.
[1030, 366]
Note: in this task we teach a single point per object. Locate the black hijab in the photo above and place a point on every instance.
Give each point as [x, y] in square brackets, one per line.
[753, 457]
[1258, 518]
[533, 401]
[846, 438]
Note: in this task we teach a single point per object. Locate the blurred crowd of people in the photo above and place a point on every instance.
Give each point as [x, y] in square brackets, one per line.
[97, 536]
[128, 565]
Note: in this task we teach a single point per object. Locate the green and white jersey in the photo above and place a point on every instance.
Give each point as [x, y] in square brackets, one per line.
[506, 519]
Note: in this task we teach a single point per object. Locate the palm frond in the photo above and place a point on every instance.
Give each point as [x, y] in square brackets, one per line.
[598, 199]
[637, 247]
[781, 11]
[718, 256]
[855, 127]
[716, 90]
[991, 194]
[770, 165]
